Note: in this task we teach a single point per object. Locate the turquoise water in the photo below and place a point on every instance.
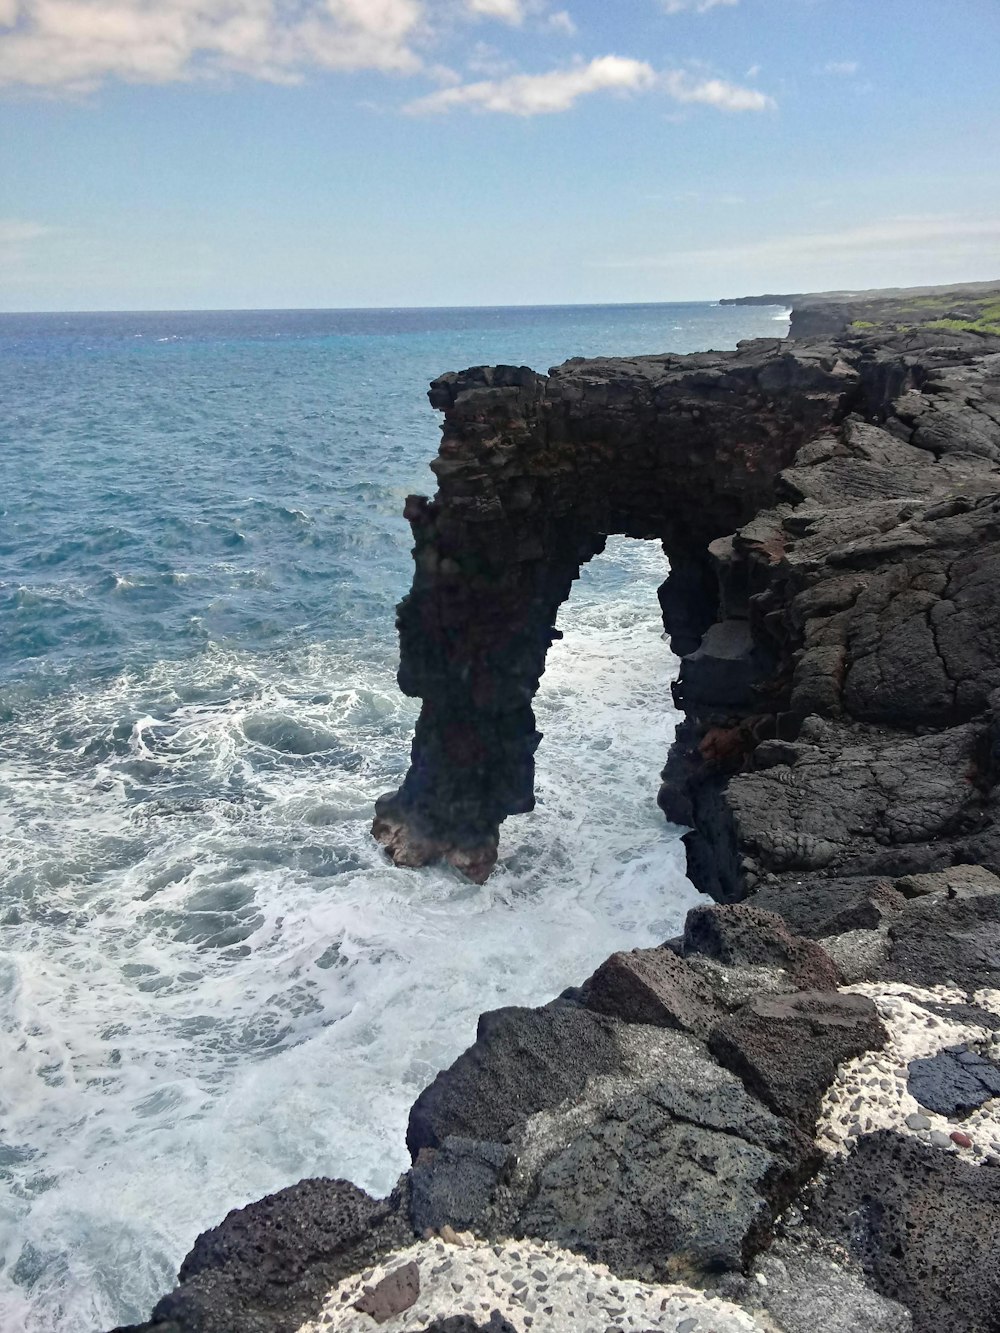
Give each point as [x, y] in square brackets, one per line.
[211, 983]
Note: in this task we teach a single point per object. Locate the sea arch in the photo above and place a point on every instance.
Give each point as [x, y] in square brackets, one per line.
[534, 473]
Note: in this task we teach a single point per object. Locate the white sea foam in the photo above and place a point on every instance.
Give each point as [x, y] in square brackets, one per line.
[213, 984]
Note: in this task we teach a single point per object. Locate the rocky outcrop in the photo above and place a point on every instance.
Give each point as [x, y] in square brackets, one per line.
[534, 473]
[830, 314]
[787, 1118]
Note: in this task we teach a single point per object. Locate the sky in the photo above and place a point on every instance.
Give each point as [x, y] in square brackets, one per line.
[223, 154]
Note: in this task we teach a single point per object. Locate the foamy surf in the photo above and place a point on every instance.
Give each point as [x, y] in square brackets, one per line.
[214, 984]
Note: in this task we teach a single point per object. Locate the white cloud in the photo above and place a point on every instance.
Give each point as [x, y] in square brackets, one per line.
[77, 44]
[683, 87]
[845, 68]
[542, 94]
[699, 6]
[510, 11]
[560, 89]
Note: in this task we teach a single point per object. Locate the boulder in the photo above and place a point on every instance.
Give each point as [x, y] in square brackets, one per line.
[925, 1227]
[743, 935]
[652, 986]
[787, 1049]
[267, 1268]
[630, 1174]
[523, 1061]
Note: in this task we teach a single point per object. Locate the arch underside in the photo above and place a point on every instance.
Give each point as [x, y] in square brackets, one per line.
[534, 474]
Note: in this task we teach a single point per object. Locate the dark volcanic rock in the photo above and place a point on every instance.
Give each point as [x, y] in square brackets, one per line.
[630, 1175]
[831, 514]
[746, 936]
[925, 1227]
[625, 1166]
[786, 1049]
[810, 1289]
[954, 1081]
[821, 907]
[955, 882]
[957, 940]
[652, 986]
[454, 1185]
[534, 471]
[464, 1323]
[268, 1267]
[524, 1060]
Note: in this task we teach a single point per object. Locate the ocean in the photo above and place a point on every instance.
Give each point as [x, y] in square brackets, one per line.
[212, 983]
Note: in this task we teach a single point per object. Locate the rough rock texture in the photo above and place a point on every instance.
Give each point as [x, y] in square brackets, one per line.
[748, 937]
[653, 986]
[786, 1049]
[266, 1267]
[623, 1168]
[630, 1175]
[923, 1226]
[832, 516]
[524, 1060]
[806, 1286]
[533, 474]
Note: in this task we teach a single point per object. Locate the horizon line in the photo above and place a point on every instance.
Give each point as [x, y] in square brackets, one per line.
[359, 309]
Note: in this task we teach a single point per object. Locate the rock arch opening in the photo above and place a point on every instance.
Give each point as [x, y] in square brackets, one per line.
[534, 474]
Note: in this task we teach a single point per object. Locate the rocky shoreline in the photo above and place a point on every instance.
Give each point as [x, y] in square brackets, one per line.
[787, 1119]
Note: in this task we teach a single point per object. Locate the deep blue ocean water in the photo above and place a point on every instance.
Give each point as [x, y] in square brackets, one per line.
[211, 983]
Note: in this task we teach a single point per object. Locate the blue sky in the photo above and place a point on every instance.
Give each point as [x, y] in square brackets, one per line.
[163, 154]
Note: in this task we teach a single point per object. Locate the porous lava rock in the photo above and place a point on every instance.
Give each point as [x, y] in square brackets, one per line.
[924, 1226]
[396, 1292]
[267, 1267]
[787, 1048]
[533, 473]
[831, 514]
[523, 1061]
[652, 986]
[957, 940]
[746, 936]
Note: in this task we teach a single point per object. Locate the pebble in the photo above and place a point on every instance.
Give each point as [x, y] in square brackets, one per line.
[961, 1139]
[939, 1139]
[917, 1121]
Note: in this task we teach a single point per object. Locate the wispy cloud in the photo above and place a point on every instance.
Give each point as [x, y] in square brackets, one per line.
[560, 89]
[20, 248]
[510, 11]
[697, 6]
[913, 236]
[561, 21]
[684, 87]
[542, 94]
[15, 232]
[843, 68]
